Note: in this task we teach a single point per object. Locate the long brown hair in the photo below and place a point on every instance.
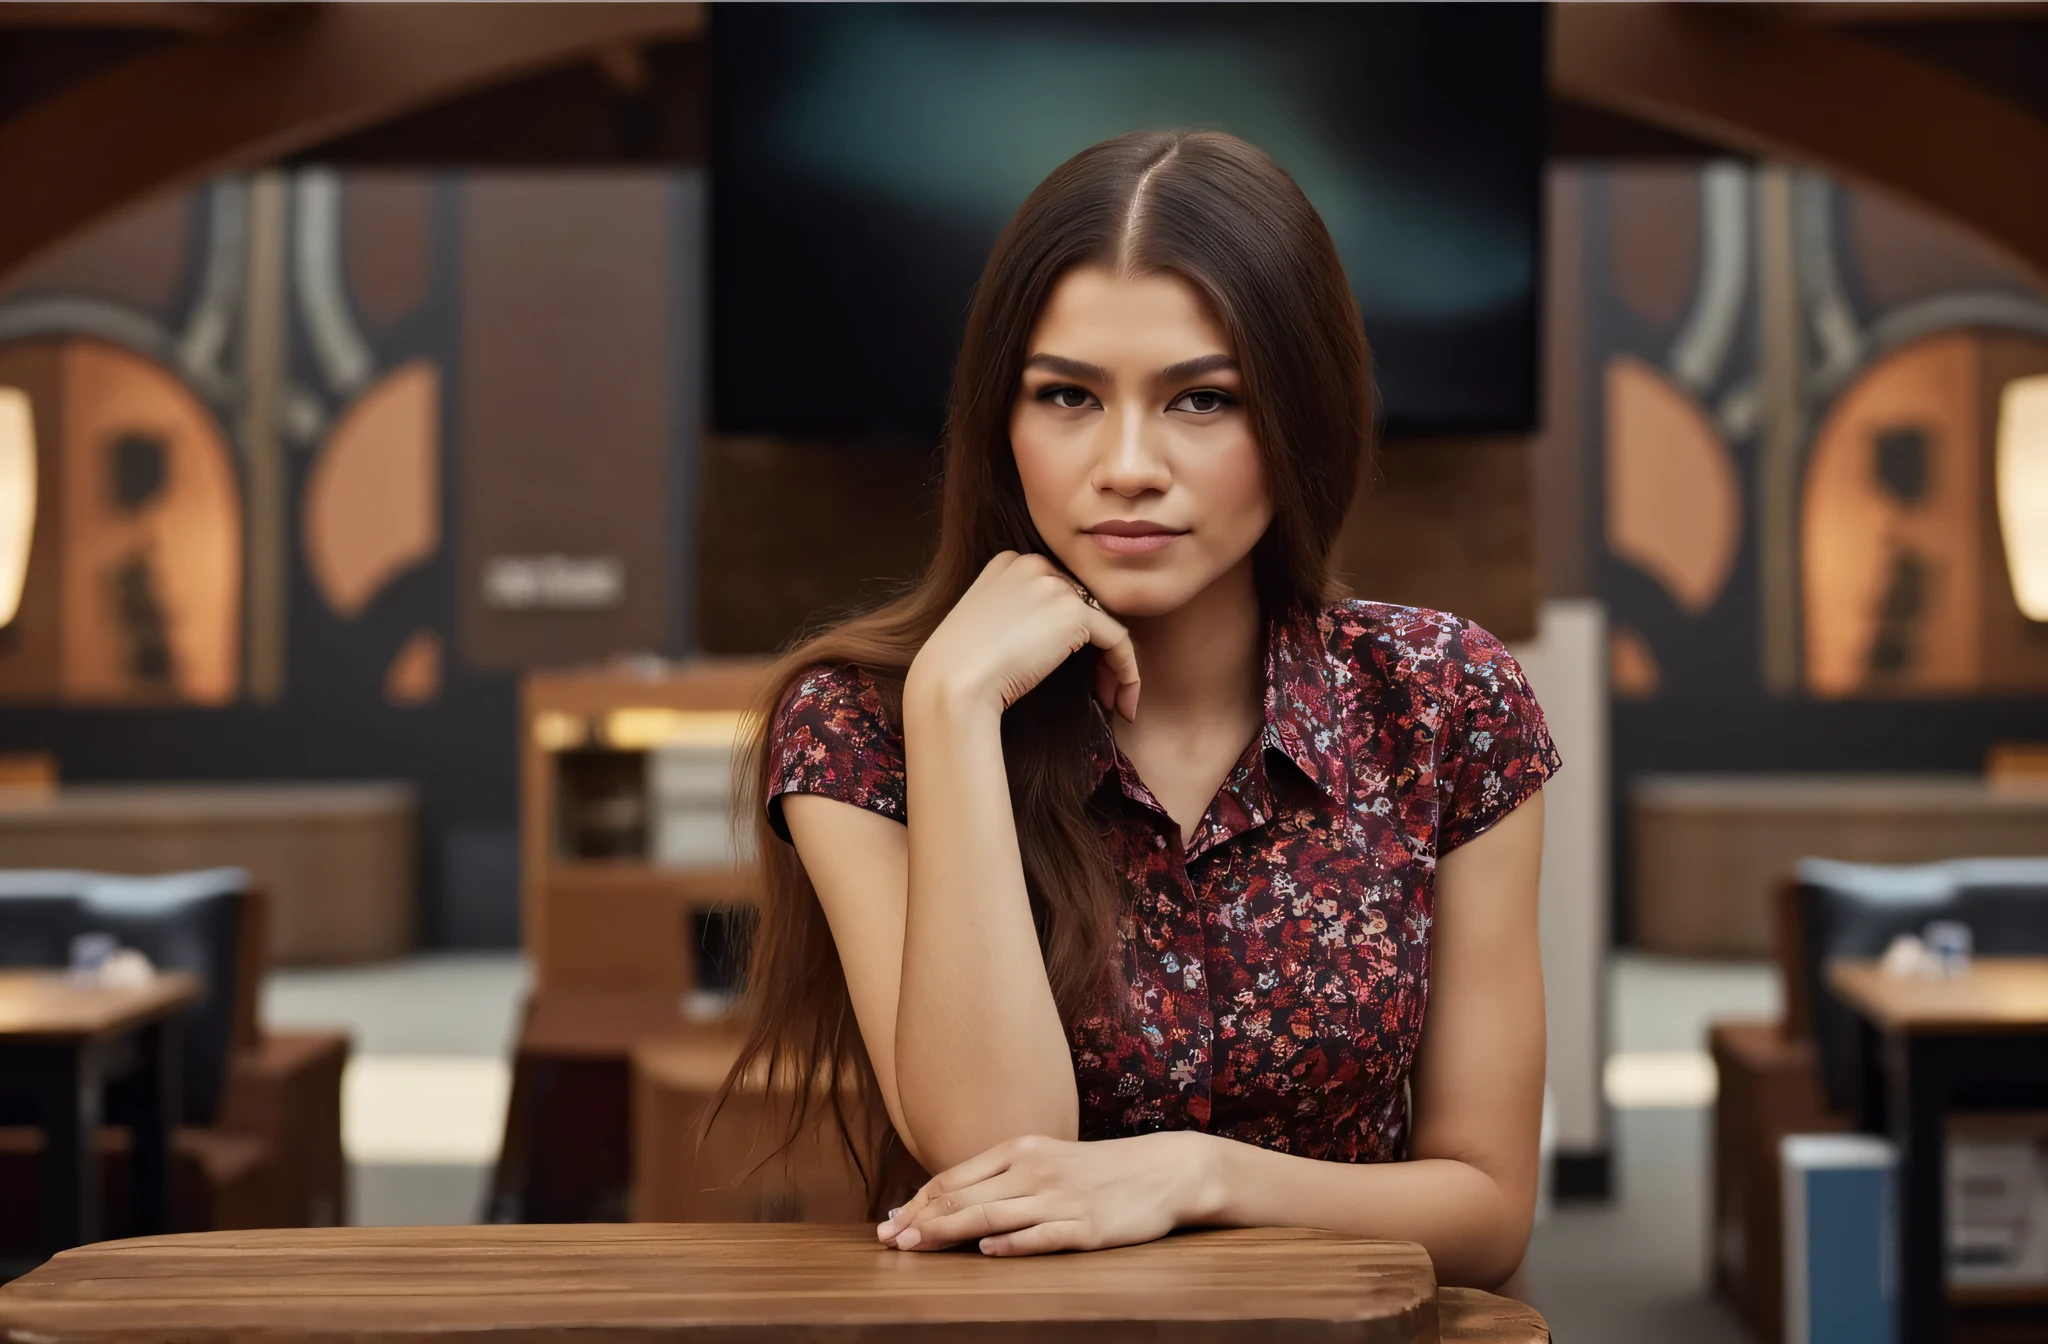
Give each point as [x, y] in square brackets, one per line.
[1218, 213]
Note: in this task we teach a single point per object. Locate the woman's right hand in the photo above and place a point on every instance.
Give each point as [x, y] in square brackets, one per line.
[1021, 619]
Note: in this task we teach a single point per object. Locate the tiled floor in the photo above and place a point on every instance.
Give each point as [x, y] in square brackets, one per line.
[426, 1094]
[423, 1103]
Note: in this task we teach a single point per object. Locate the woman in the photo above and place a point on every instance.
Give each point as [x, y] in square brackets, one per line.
[1125, 856]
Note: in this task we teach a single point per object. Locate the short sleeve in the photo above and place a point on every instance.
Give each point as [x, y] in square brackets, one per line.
[832, 737]
[1498, 750]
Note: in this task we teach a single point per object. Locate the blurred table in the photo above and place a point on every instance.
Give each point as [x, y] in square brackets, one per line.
[759, 1282]
[61, 1040]
[1977, 1041]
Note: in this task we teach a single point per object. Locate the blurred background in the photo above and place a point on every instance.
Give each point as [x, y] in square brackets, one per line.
[418, 422]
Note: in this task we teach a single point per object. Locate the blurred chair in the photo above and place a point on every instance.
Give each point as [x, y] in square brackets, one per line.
[1796, 1075]
[1768, 1087]
[260, 1142]
[685, 1171]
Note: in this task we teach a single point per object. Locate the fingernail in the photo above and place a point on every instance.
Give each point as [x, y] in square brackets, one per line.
[882, 1231]
[893, 1213]
[988, 1245]
[908, 1241]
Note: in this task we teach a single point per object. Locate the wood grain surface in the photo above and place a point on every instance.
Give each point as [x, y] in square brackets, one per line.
[49, 1006]
[1468, 1316]
[1997, 994]
[628, 1283]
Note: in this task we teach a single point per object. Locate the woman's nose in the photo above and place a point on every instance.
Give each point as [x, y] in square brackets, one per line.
[1133, 459]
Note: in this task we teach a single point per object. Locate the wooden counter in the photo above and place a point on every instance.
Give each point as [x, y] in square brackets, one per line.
[337, 861]
[635, 1284]
[1708, 851]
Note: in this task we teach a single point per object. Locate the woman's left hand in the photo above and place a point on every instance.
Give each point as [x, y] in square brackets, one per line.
[1032, 1195]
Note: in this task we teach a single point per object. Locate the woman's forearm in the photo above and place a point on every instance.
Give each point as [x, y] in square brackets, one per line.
[980, 1053]
[1474, 1229]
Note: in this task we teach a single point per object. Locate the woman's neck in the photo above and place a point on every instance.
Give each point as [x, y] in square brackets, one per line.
[1203, 661]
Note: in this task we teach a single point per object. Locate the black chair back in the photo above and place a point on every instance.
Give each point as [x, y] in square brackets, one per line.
[181, 921]
[1855, 910]
[39, 916]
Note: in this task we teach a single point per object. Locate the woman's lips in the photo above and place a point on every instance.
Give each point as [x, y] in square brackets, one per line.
[1137, 543]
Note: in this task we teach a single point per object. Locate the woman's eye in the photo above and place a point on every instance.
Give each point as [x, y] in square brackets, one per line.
[1067, 398]
[1202, 401]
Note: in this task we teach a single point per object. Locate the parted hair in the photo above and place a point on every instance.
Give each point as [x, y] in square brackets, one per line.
[1220, 214]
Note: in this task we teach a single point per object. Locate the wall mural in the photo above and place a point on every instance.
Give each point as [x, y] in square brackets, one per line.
[133, 589]
[1906, 335]
[284, 427]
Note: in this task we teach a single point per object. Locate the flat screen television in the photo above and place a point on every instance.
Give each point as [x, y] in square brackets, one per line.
[865, 156]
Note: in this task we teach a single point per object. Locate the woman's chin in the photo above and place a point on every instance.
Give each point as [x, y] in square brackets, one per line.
[1135, 598]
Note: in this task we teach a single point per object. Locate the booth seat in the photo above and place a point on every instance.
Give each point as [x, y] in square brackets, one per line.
[260, 1142]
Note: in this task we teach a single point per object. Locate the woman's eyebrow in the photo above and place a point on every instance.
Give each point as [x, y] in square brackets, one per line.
[1085, 372]
[1068, 368]
[1196, 367]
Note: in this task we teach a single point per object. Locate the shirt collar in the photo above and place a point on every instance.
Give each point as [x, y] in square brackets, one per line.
[1301, 699]
[1300, 710]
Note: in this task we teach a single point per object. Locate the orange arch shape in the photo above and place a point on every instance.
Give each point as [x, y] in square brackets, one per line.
[1674, 501]
[163, 569]
[372, 507]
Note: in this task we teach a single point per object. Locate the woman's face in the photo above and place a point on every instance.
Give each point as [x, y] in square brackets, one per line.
[1132, 441]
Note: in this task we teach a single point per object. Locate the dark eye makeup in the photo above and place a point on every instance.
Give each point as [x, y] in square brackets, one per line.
[1202, 401]
[1195, 401]
[1066, 396]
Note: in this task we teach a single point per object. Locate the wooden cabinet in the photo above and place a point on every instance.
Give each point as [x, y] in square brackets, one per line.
[599, 911]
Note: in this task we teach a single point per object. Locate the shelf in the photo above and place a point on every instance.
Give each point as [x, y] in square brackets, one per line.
[713, 684]
[1998, 1294]
[605, 924]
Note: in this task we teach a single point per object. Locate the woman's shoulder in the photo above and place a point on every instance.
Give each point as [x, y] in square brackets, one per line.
[835, 734]
[838, 701]
[1463, 692]
[1432, 654]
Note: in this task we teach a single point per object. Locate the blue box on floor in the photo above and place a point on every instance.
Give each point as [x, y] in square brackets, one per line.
[1841, 1242]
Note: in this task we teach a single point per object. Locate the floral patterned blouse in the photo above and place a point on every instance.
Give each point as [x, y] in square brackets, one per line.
[1275, 967]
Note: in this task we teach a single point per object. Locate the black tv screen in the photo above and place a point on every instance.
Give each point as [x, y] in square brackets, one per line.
[864, 158]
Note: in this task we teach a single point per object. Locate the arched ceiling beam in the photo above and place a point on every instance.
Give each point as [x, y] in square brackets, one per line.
[172, 15]
[287, 77]
[1805, 92]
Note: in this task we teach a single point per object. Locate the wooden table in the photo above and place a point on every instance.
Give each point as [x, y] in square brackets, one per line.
[1928, 1047]
[61, 1041]
[636, 1284]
